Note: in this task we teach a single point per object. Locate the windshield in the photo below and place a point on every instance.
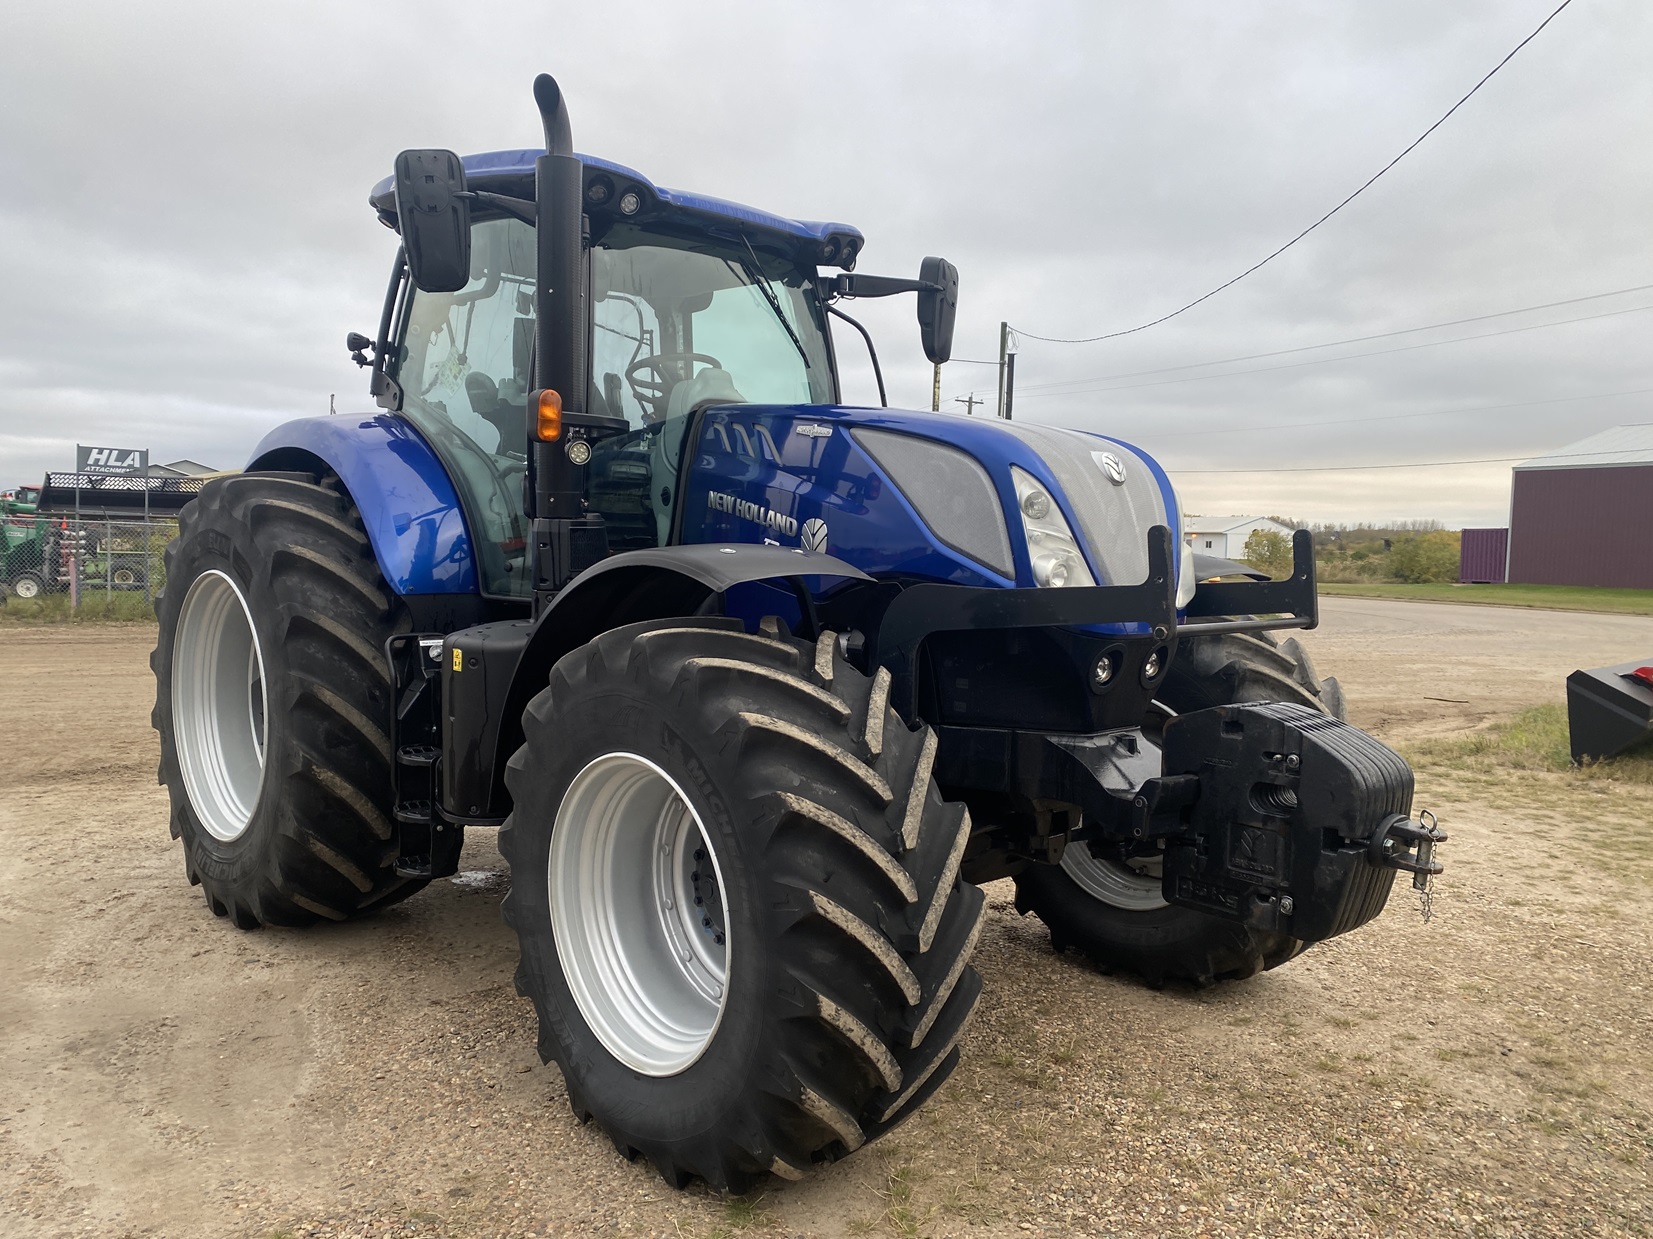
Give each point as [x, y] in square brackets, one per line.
[677, 325]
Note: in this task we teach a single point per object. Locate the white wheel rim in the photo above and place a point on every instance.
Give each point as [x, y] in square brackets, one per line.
[27, 587]
[219, 705]
[1116, 884]
[637, 910]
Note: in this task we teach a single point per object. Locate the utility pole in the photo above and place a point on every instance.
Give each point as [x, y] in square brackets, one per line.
[1009, 383]
[969, 402]
[1004, 353]
[935, 391]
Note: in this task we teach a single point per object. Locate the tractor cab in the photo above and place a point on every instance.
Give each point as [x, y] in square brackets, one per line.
[691, 302]
[682, 303]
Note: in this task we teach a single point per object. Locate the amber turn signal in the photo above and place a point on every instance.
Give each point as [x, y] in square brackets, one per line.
[547, 406]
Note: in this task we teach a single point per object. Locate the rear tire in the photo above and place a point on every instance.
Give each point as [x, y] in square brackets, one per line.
[1114, 914]
[272, 698]
[28, 585]
[1247, 666]
[832, 967]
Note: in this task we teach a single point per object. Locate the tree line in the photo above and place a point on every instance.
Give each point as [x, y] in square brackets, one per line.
[1414, 551]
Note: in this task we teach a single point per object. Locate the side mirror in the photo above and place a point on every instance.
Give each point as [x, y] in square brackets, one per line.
[435, 219]
[937, 311]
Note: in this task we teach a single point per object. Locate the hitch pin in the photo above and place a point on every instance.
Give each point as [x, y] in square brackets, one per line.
[1432, 834]
[1389, 846]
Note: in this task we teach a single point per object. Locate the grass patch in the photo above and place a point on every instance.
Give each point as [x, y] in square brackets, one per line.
[1547, 597]
[745, 1212]
[1534, 740]
[96, 607]
[902, 1217]
[1526, 760]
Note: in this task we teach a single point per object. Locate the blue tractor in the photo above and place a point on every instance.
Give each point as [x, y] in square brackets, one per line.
[756, 687]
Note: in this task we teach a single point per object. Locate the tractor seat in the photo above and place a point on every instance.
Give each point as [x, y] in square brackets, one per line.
[711, 386]
[502, 405]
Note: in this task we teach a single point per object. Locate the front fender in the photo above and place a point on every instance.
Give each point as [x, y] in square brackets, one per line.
[406, 499]
[627, 588]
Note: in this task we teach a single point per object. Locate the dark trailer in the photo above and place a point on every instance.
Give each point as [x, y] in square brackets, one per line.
[116, 497]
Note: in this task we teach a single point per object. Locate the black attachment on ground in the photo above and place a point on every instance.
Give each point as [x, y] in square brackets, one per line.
[1609, 709]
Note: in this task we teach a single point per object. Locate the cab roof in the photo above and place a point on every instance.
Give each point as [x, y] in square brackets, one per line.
[512, 173]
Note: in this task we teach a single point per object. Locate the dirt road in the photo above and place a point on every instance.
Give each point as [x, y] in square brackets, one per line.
[1487, 1074]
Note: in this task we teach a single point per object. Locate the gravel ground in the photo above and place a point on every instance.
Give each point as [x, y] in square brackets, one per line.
[1489, 1073]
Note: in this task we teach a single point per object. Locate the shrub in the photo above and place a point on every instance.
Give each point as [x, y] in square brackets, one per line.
[1269, 552]
[1423, 557]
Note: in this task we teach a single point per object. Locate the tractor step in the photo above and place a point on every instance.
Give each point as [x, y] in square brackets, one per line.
[428, 844]
[415, 867]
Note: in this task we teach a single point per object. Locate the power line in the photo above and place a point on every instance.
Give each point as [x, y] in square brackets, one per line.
[1320, 361]
[1399, 417]
[1230, 283]
[1405, 464]
[1079, 387]
[1304, 348]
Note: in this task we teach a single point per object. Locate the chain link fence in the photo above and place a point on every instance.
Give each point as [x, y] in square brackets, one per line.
[85, 559]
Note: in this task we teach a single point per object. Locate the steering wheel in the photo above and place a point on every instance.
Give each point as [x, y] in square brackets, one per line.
[652, 383]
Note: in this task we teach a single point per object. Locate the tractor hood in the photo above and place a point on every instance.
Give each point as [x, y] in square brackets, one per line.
[929, 496]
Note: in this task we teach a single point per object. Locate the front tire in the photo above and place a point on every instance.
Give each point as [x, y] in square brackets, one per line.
[272, 698]
[816, 994]
[28, 585]
[1115, 913]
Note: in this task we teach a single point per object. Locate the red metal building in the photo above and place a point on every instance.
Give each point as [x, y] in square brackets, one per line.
[1584, 515]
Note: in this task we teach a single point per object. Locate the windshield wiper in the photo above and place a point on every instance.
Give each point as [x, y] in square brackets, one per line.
[755, 274]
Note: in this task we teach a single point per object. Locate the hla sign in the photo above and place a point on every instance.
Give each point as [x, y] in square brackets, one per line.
[110, 459]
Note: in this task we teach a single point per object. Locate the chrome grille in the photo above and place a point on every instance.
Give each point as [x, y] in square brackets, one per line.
[1113, 519]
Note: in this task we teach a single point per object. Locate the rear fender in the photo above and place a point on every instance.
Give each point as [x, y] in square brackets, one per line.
[406, 499]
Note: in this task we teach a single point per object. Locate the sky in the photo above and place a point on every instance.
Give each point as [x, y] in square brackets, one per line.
[184, 227]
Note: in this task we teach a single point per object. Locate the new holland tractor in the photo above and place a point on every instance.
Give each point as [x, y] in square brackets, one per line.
[756, 687]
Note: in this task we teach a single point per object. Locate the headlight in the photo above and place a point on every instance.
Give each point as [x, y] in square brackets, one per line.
[1185, 576]
[1057, 559]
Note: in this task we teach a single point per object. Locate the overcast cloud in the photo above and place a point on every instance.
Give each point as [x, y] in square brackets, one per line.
[186, 240]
